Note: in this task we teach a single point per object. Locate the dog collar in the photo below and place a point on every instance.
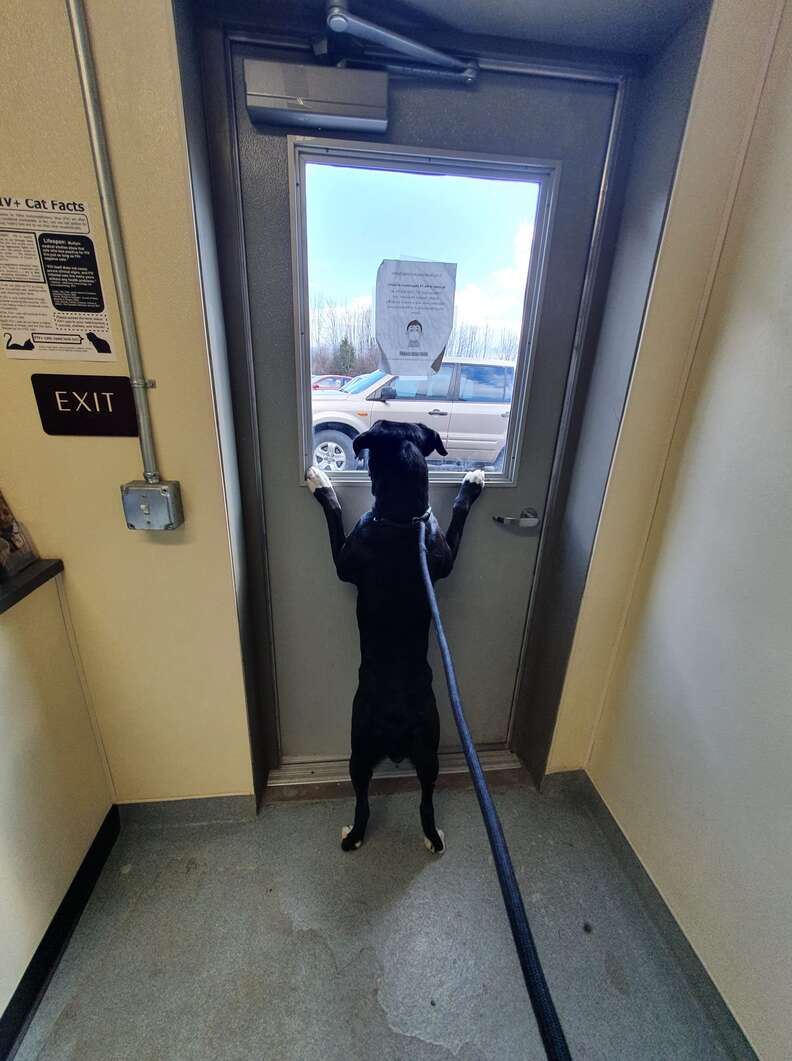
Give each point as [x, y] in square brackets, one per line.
[404, 526]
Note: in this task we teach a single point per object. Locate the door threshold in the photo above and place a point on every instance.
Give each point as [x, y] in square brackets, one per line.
[321, 771]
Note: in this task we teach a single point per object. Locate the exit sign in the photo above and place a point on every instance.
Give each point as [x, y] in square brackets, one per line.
[85, 405]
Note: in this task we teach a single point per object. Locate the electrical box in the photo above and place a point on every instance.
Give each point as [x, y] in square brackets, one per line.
[152, 506]
[316, 97]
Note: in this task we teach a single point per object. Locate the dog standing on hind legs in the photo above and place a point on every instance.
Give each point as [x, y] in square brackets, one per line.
[394, 713]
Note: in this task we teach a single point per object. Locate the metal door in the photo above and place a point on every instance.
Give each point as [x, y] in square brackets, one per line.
[555, 128]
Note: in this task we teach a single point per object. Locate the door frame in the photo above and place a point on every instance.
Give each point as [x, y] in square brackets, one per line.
[204, 44]
[547, 172]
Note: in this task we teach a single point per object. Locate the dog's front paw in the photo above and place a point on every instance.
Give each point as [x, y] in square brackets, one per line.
[472, 485]
[320, 486]
[317, 480]
[437, 844]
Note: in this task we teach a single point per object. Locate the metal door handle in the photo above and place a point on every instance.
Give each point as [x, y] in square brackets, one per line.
[529, 517]
[505, 416]
[437, 412]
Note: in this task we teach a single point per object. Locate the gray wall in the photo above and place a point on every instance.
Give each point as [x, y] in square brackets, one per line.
[665, 97]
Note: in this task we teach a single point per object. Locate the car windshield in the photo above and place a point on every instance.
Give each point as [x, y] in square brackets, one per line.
[359, 383]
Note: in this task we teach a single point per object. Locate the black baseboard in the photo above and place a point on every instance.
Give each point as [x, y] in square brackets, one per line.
[19, 1011]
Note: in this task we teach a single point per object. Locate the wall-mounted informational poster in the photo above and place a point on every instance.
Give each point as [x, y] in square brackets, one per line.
[52, 304]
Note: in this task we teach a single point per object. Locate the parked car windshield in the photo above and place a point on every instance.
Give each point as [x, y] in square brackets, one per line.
[359, 383]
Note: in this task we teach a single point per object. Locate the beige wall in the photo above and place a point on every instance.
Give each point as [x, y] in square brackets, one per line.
[53, 787]
[694, 747]
[154, 614]
[736, 52]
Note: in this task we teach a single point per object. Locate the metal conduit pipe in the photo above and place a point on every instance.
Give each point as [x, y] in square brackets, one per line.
[104, 178]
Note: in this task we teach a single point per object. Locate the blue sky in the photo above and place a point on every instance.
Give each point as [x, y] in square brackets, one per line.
[356, 217]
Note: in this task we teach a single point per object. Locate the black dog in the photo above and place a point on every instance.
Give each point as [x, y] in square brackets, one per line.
[394, 714]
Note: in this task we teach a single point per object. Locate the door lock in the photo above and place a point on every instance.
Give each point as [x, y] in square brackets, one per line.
[529, 517]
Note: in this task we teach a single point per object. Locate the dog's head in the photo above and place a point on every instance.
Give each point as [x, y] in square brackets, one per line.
[397, 455]
[388, 437]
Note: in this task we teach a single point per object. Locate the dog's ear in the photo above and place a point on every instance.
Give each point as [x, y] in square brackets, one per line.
[361, 442]
[431, 442]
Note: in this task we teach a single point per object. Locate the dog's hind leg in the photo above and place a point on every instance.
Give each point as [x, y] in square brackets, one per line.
[360, 771]
[427, 768]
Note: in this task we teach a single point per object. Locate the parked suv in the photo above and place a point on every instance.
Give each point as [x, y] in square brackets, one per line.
[467, 402]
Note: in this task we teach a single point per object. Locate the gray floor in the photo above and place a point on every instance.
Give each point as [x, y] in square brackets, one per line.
[259, 940]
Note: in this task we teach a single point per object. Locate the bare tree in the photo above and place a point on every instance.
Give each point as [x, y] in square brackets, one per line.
[482, 340]
[335, 327]
[333, 324]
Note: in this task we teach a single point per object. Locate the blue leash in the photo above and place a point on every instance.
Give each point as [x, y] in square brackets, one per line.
[550, 1029]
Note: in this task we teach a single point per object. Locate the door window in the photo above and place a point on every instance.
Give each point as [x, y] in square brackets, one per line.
[355, 206]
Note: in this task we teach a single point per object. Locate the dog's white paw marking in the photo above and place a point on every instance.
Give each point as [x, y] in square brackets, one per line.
[430, 847]
[477, 476]
[347, 829]
[317, 479]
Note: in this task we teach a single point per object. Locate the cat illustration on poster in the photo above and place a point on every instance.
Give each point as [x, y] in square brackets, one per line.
[100, 345]
[27, 345]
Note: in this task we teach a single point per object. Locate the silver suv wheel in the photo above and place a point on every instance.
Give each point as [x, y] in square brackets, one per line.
[333, 451]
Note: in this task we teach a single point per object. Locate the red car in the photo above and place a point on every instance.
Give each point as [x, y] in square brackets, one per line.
[329, 383]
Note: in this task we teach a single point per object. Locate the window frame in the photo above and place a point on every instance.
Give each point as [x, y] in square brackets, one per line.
[303, 151]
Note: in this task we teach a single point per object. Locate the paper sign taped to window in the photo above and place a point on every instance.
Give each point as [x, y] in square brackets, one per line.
[52, 306]
[414, 314]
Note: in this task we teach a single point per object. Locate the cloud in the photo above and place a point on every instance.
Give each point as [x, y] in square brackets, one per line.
[498, 301]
